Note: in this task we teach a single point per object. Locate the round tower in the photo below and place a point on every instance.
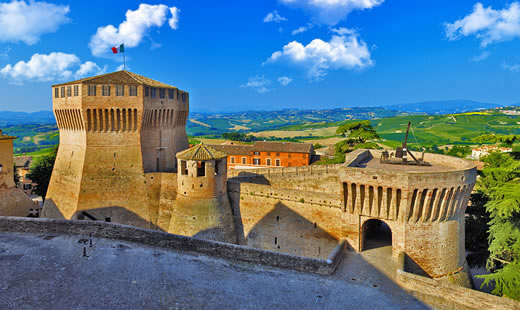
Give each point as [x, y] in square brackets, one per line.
[202, 208]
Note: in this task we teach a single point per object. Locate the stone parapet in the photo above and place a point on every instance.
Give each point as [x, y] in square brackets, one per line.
[176, 242]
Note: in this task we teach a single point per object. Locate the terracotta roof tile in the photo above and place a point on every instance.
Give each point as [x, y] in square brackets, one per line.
[201, 152]
[234, 149]
[119, 77]
[289, 147]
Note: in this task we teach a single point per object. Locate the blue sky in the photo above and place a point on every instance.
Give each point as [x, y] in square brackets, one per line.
[238, 55]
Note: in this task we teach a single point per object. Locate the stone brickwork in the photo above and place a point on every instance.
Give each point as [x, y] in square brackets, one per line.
[13, 201]
[201, 208]
[444, 295]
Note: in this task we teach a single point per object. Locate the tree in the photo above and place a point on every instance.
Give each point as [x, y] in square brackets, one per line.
[500, 183]
[357, 132]
[459, 151]
[40, 172]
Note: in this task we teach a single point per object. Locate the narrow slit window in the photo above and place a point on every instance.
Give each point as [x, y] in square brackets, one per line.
[56, 92]
[76, 90]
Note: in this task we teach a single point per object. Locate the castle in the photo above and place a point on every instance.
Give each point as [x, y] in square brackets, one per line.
[124, 158]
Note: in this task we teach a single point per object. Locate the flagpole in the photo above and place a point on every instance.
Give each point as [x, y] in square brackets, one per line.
[124, 59]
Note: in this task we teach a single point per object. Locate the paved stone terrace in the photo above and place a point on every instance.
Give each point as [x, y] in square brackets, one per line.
[48, 272]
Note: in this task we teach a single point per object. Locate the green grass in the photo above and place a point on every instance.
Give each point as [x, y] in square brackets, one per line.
[38, 153]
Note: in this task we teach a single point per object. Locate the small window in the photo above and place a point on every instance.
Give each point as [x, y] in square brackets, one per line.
[56, 92]
[133, 90]
[105, 90]
[232, 159]
[153, 92]
[62, 91]
[162, 93]
[268, 153]
[217, 163]
[277, 163]
[277, 154]
[69, 91]
[244, 160]
[256, 153]
[146, 91]
[170, 93]
[268, 162]
[92, 90]
[76, 90]
[256, 161]
[120, 90]
[183, 97]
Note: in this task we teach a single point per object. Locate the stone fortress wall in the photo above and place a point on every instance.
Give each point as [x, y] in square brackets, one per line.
[306, 210]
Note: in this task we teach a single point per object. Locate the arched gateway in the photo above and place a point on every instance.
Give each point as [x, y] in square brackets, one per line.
[375, 234]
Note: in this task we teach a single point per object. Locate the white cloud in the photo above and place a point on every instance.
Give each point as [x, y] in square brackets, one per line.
[132, 31]
[26, 22]
[302, 29]
[174, 20]
[331, 12]
[274, 17]
[51, 67]
[89, 68]
[344, 51]
[483, 56]
[513, 68]
[487, 24]
[257, 83]
[284, 80]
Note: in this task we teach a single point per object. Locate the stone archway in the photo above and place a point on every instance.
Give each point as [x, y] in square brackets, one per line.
[375, 234]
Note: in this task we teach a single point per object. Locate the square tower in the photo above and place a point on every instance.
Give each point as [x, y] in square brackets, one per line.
[114, 128]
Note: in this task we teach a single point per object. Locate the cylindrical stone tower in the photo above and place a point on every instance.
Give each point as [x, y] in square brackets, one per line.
[202, 208]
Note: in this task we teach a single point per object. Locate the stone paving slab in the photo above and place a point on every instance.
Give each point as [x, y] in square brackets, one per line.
[49, 272]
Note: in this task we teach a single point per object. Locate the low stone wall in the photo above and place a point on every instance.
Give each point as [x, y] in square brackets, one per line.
[284, 194]
[283, 171]
[443, 295]
[176, 242]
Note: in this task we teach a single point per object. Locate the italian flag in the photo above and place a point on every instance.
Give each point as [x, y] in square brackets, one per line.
[118, 49]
